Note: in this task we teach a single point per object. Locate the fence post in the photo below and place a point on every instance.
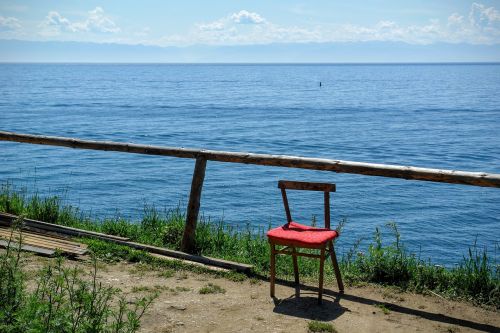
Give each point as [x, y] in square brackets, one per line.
[193, 205]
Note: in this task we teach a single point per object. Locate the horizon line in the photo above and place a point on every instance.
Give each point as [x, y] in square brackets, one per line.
[251, 63]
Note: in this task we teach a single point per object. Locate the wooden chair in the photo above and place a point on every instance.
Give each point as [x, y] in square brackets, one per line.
[293, 235]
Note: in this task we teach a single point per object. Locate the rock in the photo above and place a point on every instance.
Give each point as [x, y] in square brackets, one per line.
[178, 307]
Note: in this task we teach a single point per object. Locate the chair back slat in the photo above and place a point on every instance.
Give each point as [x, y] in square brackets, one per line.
[307, 186]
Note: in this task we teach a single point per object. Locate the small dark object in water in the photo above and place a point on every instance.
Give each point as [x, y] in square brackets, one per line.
[320, 83]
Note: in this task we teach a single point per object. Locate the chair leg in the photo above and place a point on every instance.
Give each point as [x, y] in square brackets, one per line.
[321, 270]
[295, 266]
[273, 268]
[336, 268]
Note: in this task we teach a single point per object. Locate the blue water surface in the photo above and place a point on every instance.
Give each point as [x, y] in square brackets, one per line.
[439, 116]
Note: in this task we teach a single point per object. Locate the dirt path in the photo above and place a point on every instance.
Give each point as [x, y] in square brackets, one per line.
[246, 306]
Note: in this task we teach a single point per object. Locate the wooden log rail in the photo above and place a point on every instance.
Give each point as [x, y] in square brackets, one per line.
[202, 156]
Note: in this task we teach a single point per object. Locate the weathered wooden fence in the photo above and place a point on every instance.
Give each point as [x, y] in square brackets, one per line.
[202, 156]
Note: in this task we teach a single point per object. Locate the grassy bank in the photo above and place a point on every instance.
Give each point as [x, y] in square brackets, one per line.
[475, 278]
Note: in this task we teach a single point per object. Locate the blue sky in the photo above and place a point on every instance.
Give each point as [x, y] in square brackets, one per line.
[181, 23]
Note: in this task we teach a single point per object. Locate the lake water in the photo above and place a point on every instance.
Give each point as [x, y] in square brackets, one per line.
[438, 116]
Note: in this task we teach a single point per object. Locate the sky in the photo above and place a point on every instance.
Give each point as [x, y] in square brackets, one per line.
[255, 22]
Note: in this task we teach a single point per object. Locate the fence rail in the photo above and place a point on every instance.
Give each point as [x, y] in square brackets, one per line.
[202, 155]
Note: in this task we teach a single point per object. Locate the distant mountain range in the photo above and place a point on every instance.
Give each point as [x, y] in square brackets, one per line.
[359, 52]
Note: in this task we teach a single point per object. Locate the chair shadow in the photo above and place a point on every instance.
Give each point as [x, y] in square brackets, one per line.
[307, 307]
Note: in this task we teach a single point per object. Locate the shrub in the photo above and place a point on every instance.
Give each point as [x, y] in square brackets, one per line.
[320, 327]
[211, 288]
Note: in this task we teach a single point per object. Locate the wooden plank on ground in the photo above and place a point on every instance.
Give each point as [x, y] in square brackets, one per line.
[30, 248]
[191, 257]
[7, 219]
[5, 231]
[41, 241]
[189, 262]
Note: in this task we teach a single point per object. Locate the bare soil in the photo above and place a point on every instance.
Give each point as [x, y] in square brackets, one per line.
[246, 306]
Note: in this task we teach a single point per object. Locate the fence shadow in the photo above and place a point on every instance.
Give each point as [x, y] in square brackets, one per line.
[307, 307]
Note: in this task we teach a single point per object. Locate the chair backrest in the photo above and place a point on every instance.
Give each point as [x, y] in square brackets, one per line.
[307, 186]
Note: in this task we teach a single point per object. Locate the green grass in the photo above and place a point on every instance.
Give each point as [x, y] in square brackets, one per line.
[110, 252]
[476, 278]
[157, 289]
[383, 307]
[211, 288]
[320, 327]
[62, 300]
[167, 273]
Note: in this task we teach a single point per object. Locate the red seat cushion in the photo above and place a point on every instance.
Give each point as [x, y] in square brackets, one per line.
[299, 235]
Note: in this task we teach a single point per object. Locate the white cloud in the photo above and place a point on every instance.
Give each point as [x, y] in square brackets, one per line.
[480, 26]
[55, 22]
[227, 23]
[96, 21]
[455, 19]
[245, 17]
[216, 25]
[482, 16]
[9, 24]
[242, 27]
